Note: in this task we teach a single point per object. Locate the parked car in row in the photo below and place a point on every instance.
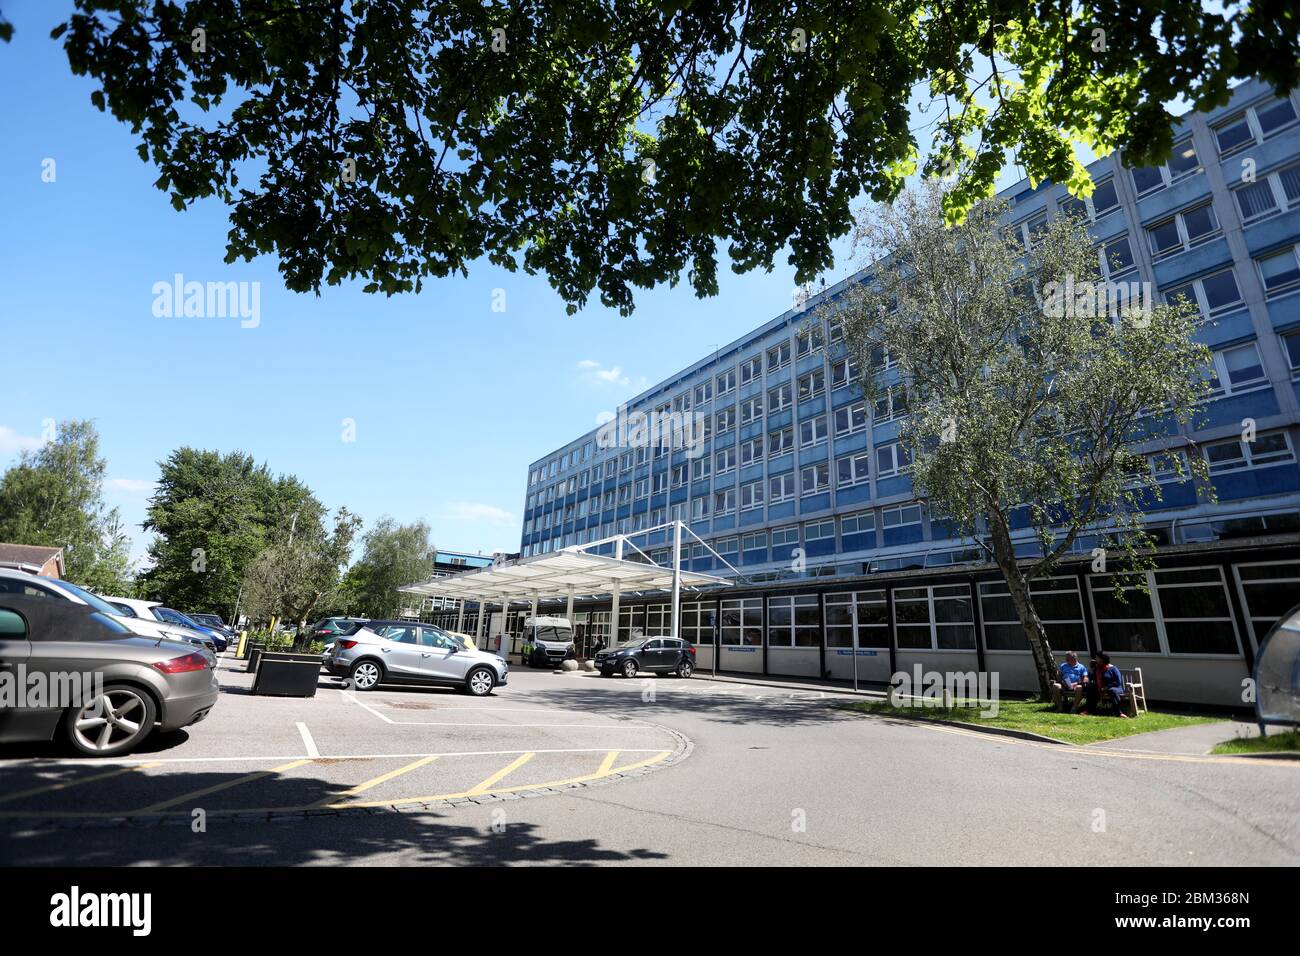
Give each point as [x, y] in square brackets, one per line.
[406, 652]
[35, 585]
[214, 622]
[155, 611]
[657, 655]
[144, 683]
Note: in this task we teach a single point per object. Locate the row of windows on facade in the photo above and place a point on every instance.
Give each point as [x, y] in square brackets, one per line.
[1232, 371]
[1245, 128]
[1169, 612]
[1213, 294]
[1267, 449]
[1266, 194]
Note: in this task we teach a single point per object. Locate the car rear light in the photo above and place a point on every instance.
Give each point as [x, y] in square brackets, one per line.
[183, 665]
[691, 648]
[346, 645]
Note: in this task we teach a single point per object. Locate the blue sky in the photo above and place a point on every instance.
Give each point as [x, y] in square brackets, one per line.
[451, 400]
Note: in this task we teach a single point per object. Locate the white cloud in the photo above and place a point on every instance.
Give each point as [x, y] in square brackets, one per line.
[134, 485]
[597, 374]
[476, 511]
[12, 443]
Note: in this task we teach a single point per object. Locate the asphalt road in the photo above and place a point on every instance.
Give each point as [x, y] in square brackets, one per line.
[560, 768]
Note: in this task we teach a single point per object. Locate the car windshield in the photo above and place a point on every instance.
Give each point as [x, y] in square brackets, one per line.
[94, 600]
[210, 620]
[176, 617]
[631, 644]
[553, 634]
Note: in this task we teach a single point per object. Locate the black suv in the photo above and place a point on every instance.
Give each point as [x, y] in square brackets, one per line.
[658, 655]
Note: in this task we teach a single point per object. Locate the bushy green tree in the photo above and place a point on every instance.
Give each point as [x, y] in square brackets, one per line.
[291, 579]
[214, 514]
[1028, 384]
[54, 497]
[393, 556]
[617, 144]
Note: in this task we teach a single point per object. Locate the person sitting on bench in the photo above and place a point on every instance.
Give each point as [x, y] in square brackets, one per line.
[1074, 680]
[1107, 686]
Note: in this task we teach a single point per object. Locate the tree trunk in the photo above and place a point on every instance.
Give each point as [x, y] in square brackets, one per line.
[1005, 556]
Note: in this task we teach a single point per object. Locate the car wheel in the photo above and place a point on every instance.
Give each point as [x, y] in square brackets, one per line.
[366, 675]
[684, 669]
[113, 723]
[480, 681]
[629, 669]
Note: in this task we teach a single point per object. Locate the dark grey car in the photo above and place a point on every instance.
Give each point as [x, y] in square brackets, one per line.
[71, 671]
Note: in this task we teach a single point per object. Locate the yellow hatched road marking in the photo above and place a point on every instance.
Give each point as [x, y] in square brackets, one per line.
[505, 771]
[608, 763]
[226, 785]
[528, 786]
[382, 778]
[64, 785]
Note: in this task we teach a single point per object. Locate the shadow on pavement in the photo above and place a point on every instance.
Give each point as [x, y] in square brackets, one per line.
[472, 835]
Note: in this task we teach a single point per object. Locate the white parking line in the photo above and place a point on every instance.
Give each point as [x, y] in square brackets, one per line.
[348, 696]
[307, 740]
[497, 725]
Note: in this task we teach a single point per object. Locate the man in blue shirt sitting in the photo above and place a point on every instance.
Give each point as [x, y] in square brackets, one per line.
[1074, 679]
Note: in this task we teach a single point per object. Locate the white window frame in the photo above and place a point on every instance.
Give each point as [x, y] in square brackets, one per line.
[1157, 611]
[1226, 388]
[1185, 243]
[1248, 456]
[1257, 134]
[818, 435]
[896, 454]
[821, 478]
[1288, 289]
[788, 492]
[858, 476]
[1202, 301]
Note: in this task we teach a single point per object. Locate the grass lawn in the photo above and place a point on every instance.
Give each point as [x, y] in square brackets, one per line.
[1039, 718]
[1274, 743]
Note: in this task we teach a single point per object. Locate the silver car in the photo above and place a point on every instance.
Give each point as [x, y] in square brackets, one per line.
[405, 652]
[102, 687]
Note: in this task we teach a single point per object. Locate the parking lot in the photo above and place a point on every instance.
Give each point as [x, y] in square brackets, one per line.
[337, 752]
[576, 769]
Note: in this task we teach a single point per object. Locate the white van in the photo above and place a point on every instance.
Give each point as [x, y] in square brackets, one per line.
[547, 641]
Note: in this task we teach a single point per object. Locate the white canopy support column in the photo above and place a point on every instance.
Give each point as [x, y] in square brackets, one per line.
[480, 624]
[677, 578]
[568, 608]
[460, 616]
[613, 598]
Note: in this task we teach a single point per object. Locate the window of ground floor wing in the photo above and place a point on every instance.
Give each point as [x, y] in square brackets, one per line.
[1055, 599]
[1268, 591]
[742, 622]
[793, 621]
[865, 610]
[934, 618]
[1181, 611]
[631, 623]
[697, 622]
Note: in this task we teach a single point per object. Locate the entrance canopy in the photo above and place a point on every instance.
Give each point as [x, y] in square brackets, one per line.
[559, 574]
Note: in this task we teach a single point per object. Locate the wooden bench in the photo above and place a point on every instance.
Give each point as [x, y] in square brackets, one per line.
[1134, 700]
